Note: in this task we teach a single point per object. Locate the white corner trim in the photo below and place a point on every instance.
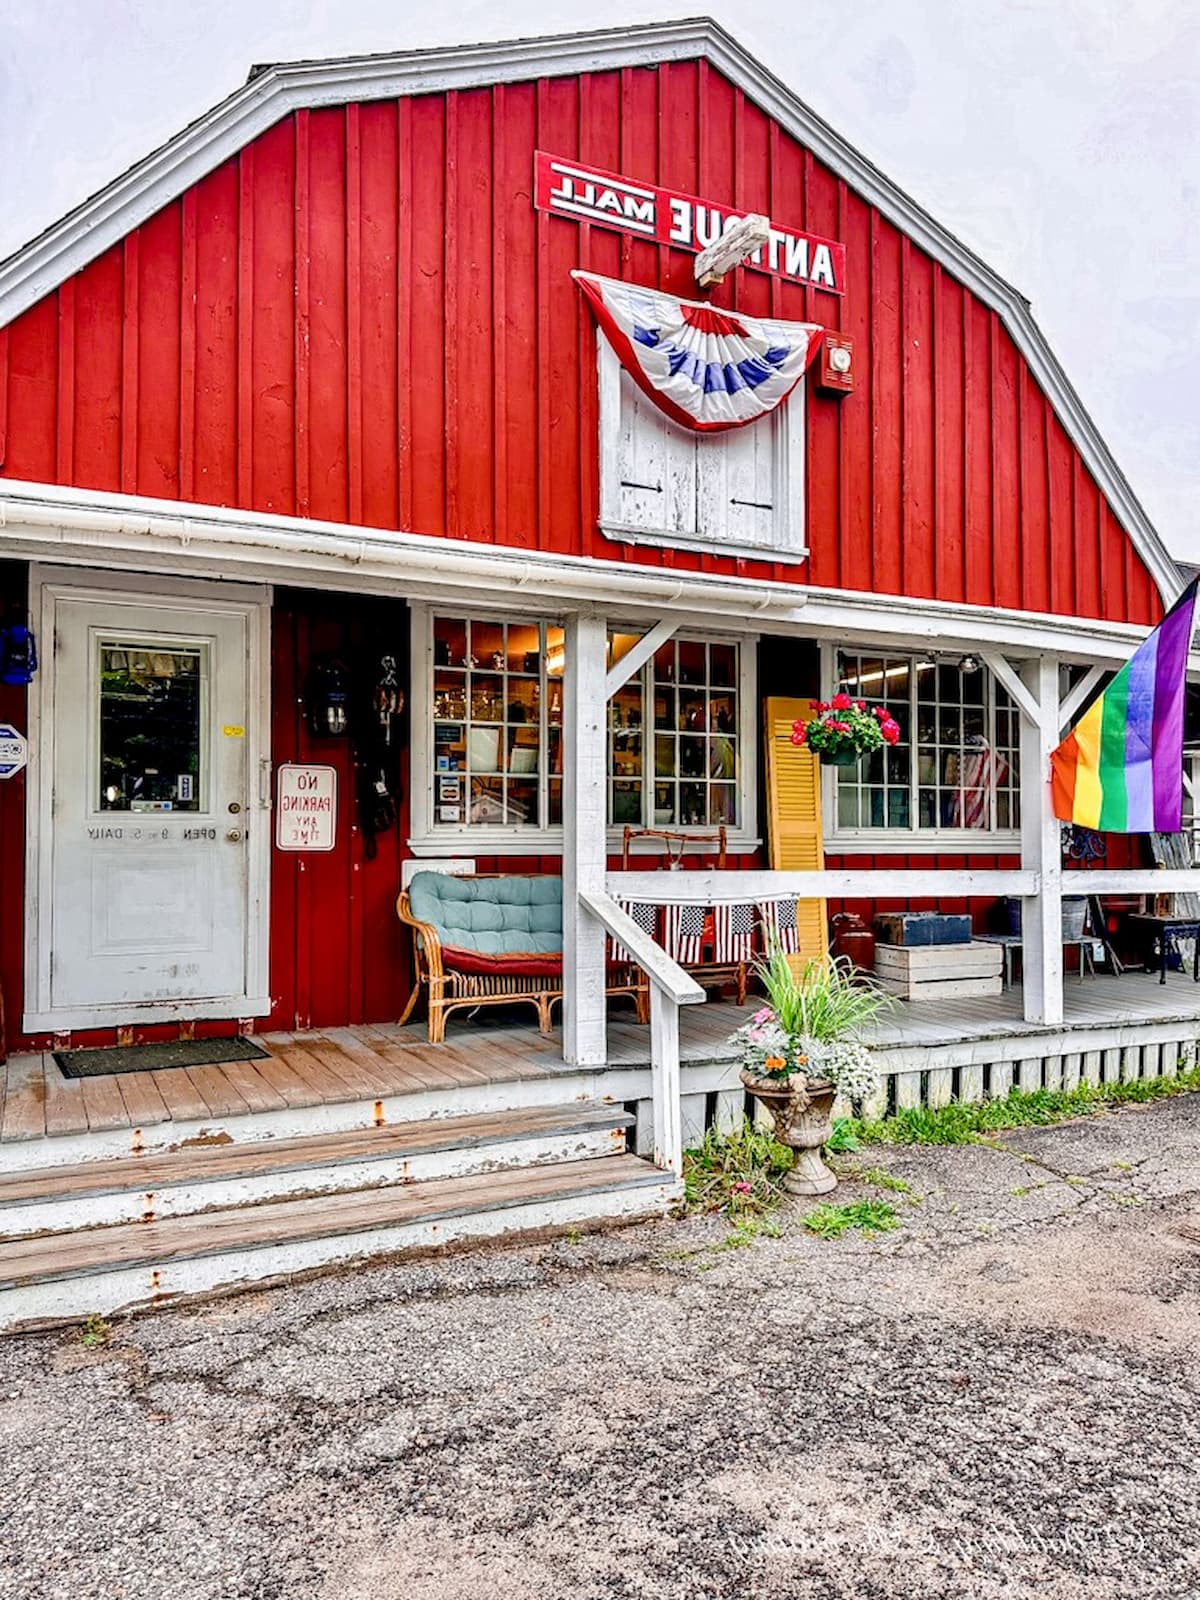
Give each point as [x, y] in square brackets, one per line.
[91, 228]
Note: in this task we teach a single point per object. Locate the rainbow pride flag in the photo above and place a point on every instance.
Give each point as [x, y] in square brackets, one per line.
[1120, 769]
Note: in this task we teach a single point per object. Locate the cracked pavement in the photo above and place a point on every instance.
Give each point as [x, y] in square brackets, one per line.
[997, 1401]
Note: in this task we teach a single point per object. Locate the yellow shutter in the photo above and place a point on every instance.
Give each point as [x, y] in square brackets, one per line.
[794, 836]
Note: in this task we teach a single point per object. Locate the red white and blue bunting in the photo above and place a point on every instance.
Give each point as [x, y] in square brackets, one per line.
[707, 369]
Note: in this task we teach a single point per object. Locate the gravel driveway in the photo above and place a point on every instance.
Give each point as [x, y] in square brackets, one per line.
[998, 1400]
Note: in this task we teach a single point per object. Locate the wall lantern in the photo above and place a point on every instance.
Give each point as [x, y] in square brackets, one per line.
[18, 654]
[327, 699]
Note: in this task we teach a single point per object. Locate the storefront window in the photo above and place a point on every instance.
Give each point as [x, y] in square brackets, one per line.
[497, 722]
[673, 735]
[955, 766]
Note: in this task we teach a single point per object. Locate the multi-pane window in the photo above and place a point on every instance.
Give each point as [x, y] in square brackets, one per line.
[497, 723]
[956, 764]
[496, 686]
[682, 713]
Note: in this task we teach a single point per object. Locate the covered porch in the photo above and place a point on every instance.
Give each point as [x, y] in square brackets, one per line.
[928, 1051]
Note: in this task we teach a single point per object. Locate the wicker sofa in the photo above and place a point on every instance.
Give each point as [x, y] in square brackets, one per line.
[493, 940]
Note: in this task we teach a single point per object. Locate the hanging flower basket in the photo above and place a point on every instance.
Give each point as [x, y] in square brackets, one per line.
[845, 730]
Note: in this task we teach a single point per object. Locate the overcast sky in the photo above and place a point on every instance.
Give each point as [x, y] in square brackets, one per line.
[1059, 138]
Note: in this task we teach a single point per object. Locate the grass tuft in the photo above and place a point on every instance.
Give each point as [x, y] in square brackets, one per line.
[964, 1122]
[96, 1331]
[738, 1174]
[870, 1217]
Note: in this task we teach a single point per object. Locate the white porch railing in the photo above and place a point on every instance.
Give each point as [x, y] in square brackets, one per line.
[723, 888]
[670, 988]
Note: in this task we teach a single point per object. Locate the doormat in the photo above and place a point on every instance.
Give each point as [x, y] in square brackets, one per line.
[150, 1057]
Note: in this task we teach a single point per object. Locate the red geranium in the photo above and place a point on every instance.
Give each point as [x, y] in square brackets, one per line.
[843, 724]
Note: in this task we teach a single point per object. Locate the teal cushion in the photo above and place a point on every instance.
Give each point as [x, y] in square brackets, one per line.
[491, 916]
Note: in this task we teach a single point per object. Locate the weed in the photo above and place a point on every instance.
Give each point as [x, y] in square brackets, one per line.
[739, 1173]
[95, 1332]
[868, 1216]
[573, 1235]
[747, 1230]
[843, 1137]
[963, 1122]
[878, 1178]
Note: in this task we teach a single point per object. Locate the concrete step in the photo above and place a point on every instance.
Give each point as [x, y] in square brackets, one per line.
[149, 1188]
[131, 1266]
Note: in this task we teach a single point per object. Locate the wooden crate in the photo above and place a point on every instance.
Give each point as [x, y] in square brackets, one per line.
[939, 971]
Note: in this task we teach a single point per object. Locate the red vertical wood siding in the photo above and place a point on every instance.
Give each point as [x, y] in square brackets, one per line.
[362, 318]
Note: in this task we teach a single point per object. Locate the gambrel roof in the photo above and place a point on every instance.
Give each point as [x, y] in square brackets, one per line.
[275, 91]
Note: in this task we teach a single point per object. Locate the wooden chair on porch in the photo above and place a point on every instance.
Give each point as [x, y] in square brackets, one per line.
[715, 945]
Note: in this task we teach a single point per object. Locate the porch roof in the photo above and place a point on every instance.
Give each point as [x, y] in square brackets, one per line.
[85, 527]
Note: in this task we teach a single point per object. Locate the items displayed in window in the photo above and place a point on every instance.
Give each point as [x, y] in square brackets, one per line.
[955, 766]
[497, 722]
[151, 710]
[497, 686]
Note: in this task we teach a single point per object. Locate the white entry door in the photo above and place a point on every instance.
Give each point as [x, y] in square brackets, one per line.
[153, 814]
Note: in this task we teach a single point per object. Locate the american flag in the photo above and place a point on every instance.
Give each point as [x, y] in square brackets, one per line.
[778, 918]
[733, 933]
[683, 933]
[983, 771]
[645, 915]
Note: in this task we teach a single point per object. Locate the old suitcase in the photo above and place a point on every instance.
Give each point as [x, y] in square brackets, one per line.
[922, 928]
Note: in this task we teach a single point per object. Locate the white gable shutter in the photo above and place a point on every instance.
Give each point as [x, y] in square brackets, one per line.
[656, 466]
[736, 483]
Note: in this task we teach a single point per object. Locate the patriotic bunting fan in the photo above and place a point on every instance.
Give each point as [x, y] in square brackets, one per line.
[706, 368]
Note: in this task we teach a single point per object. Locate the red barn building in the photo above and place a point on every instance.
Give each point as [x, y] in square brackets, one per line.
[308, 414]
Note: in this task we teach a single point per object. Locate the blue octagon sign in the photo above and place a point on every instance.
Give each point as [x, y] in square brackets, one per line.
[14, 752]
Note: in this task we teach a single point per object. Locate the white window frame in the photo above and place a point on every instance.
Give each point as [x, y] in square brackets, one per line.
[789, 541]
[430, 839]
[913, 840]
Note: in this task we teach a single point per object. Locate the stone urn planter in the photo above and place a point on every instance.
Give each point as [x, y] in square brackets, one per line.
[802, 1110]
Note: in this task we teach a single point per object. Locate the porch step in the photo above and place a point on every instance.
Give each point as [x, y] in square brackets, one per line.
[130, 1265]
[149, 1188]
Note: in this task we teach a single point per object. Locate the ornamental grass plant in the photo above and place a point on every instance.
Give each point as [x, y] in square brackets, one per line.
[812, 1024]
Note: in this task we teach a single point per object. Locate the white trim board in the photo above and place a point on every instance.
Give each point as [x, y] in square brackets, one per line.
[137, 534]
[273, 92]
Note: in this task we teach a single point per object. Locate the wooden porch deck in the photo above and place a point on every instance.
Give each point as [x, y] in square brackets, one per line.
[358, 1064]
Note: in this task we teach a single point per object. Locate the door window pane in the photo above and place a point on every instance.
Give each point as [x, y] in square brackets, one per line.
[151, 728]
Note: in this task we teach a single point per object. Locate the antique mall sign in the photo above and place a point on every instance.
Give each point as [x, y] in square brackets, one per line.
[664, 216]
[306, 807]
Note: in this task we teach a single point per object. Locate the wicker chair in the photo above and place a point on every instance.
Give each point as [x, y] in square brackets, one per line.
[452, 983]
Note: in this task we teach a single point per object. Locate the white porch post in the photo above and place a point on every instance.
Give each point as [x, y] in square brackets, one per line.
[585, 1038]
[1041, 848]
